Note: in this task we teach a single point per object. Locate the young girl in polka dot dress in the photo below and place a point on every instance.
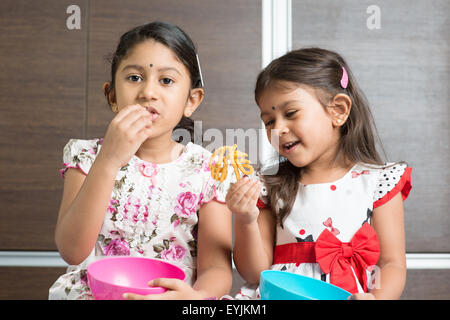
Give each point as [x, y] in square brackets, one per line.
[334, 210]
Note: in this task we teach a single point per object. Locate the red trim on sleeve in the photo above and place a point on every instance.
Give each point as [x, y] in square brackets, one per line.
[404, 185]
[70, 166]
[260, 204]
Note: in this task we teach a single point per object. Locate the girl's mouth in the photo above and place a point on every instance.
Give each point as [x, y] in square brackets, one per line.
[153, 112]
[155, 115]
[290, 146]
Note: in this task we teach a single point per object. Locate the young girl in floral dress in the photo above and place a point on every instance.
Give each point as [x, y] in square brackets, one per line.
[333, 211]
[137, 192]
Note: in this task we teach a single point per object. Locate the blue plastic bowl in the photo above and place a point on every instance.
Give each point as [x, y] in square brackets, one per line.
[281, 285]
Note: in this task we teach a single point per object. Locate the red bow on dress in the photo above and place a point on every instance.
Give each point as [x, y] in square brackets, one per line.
[338, 258]
[356, 174]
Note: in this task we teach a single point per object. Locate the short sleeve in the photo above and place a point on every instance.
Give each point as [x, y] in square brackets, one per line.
[214, 189]
[80, 154]
[392, 179]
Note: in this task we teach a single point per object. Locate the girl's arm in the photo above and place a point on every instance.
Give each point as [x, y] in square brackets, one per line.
[388, 222]
[214, 245]
[253, 246]
[85, 198]
[83, 207]
[254, 230]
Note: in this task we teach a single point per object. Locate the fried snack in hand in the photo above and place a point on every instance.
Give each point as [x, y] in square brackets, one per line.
[236, 158]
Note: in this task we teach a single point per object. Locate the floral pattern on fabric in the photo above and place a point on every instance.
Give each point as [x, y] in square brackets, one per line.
[153, 211]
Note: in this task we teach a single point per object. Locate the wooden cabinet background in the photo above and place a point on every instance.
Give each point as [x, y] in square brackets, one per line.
[43, 95]
[51, 90]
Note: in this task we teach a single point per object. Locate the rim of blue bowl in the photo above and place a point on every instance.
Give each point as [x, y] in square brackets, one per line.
[302, 276]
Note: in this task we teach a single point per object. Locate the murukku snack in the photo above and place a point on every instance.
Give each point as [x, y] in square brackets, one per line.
[226, 155]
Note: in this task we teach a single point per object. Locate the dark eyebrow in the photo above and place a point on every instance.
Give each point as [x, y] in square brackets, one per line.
[162, 69]
[141, 68]
[281, 106]
[134, 66]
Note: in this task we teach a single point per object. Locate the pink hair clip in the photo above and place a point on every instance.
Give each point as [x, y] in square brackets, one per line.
[344, 79]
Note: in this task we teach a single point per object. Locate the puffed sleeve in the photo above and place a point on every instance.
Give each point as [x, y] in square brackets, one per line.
[80, 154]
[391, 180]
[214, 189]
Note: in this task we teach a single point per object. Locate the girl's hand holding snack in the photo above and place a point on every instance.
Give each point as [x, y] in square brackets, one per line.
[125, 134]
[241, 200]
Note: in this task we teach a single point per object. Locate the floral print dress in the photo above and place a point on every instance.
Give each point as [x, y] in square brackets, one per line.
[152, 211]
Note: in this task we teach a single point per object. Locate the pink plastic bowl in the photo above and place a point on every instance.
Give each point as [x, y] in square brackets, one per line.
[110, 278]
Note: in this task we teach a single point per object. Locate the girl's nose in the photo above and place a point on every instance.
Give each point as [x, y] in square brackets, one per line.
[149, 90]
[281, 128]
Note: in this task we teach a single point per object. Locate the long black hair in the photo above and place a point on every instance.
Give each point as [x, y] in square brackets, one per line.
[172, 37]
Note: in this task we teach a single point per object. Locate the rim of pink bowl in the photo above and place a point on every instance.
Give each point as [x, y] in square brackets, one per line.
[131, 257]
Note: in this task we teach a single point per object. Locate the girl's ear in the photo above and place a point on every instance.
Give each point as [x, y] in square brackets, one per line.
[108, 90]
[195, 98]
[340, 108]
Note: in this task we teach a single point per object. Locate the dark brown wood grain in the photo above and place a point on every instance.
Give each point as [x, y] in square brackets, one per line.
[27, 283]
[429, 284]
[42, 99]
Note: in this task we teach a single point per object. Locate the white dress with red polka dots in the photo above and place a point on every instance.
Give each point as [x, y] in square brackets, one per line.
[343, 208]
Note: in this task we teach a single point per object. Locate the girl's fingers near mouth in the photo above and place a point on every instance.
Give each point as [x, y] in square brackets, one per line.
[126, 111]
[142, 122]
[144, 134]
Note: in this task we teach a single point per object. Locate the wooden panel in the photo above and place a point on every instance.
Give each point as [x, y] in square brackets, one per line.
[403, 67]
[427, 285]
[228, 37]
[27, 283]
[42, 98]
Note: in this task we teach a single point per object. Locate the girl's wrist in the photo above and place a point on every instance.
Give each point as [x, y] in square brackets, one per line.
[247, 219]
[104, 165]
[246, 225]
